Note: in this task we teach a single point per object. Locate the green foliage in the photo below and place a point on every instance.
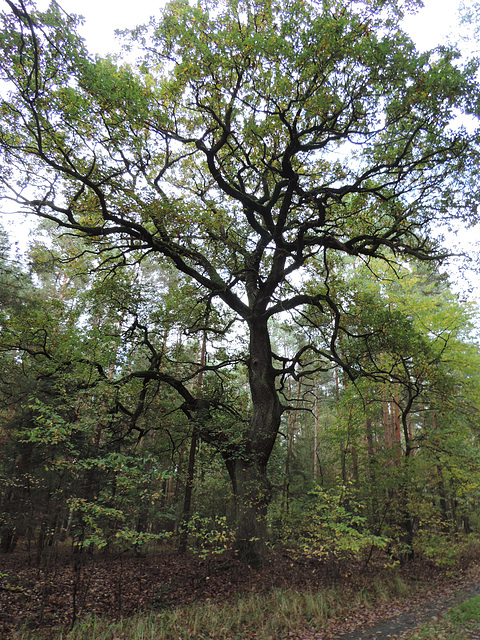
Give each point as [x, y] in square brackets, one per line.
[443, 550]
[209, 536]
[332, 524]
[51, 430]
[444, 547]
[259, 160]
[100, 526]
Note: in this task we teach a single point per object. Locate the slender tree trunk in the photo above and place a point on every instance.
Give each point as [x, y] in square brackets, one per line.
[441, 486]
[396, 426]
[387, 428]
[187, 501]
[343, 448]
[355, 470]
[284, 504]
[316, 433]
[371, 467]
[291, 434]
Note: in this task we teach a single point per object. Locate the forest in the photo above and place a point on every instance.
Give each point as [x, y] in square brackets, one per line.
[233, 330]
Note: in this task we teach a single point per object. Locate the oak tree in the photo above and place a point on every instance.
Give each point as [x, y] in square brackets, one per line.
[251, 140]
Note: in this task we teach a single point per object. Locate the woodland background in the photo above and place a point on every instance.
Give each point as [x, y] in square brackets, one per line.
[93, 457]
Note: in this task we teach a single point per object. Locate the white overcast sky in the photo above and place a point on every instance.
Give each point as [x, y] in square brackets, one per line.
[428, 28]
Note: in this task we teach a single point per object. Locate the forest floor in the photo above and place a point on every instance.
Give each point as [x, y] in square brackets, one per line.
[65, 587]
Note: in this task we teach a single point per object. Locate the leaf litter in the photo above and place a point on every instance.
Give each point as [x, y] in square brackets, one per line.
[69, 588]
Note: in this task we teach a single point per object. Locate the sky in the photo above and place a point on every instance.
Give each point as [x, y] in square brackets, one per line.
[430, 27]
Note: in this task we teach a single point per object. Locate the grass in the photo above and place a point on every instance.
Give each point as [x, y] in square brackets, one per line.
[457, 624]
[269, 616]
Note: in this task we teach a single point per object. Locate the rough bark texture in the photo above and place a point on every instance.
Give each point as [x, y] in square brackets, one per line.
[253, 497]
[250, 470]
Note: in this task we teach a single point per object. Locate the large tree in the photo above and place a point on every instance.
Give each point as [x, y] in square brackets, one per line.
[252, 145]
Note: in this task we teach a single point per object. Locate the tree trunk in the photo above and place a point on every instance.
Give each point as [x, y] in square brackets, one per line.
[250, 482]
[187, 501]
[252, 500]
[316, 465]
[441, 486]
[371, 467]
[387, 427]
[396, 427]
[291, 434]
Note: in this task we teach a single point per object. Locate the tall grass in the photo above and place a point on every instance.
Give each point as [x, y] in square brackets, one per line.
[268, 616]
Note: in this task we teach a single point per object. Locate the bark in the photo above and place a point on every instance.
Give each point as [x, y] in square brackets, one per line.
[371, 466]
[387, 428]
[396, 431]
[291, 434]
[355, 470]
[441, 486]
[187, 501]
[250, 481]
[316, 465]
[252, 500]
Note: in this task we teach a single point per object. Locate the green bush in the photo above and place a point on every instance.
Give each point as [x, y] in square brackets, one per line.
[332, 524]
[209, 536]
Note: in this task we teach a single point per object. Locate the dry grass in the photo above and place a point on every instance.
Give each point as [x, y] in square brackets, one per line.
[266, 616]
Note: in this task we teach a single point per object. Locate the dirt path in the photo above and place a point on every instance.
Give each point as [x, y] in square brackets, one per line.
[403, 623]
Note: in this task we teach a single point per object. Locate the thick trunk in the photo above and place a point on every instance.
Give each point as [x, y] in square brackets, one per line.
[266, 407]
[251, 485]
[252, 499]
